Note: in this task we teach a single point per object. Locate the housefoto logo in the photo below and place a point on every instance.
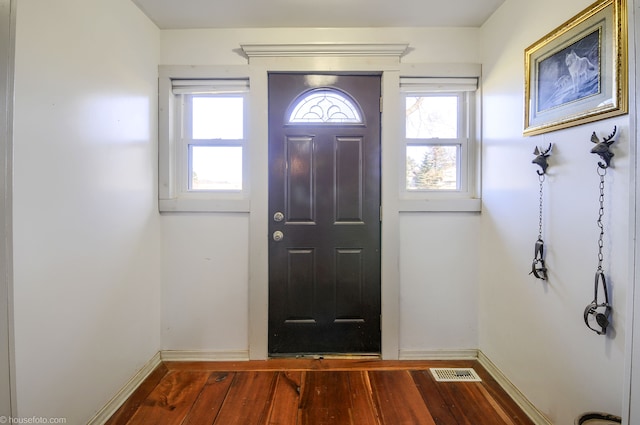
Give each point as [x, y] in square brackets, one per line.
[31, 420]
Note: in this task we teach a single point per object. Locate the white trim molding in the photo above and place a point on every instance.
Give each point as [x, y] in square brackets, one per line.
[173, 196]
[118, 400]
[469, 354]
[8, 393]
[203, 356]
[252, 50]
[379, 59]
[441, 205]
[529, 409]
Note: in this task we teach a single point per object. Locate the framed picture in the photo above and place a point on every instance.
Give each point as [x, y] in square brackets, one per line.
[578, 72]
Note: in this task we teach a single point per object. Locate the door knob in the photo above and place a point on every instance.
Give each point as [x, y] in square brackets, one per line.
[278, 236]
[278, 216]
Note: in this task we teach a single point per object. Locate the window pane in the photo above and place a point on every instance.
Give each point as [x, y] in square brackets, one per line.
[325, 106]
[217, 117]
[216, 168]
[432, 167]
[432, 117]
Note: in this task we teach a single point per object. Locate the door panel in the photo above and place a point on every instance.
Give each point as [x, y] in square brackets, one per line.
[324, 177]
[348, 180]
[300, 180]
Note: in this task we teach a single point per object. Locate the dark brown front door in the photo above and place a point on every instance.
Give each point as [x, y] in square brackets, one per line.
[324, 214]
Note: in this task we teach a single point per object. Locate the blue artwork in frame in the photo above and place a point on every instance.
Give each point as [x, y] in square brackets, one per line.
[571, 74]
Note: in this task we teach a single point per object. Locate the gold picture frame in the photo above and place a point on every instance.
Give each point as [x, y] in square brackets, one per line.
[578, 73]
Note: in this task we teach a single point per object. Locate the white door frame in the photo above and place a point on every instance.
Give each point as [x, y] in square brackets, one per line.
[378, 58]
[631, 391]
[7, 49]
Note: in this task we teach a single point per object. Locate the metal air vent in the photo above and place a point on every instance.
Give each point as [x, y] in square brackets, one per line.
[444, 374]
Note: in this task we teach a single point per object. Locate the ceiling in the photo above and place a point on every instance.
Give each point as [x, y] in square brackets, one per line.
[184, 14]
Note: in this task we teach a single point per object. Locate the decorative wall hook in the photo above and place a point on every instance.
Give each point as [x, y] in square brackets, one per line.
[597, 313]
[538, 267]
[541, 158]
[602, 148]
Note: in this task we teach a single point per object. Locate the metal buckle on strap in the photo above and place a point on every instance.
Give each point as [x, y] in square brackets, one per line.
[538, 268]
[599, 311]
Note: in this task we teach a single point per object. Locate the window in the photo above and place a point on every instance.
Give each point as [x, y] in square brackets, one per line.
[203, 144]
[324, 106]
[204, 138]
[213, 138]
[438, 159]
[433, 148]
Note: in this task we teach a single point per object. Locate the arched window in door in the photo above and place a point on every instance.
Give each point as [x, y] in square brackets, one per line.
[324, 106]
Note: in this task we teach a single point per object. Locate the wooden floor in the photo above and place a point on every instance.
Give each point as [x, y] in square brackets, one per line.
[316, 392]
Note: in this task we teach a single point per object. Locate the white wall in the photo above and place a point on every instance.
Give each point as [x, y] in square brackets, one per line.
[205, 256]
[86, 228]
[534, 331]
[205, 282]
[221, 46]
[88, 247]
[438, 282]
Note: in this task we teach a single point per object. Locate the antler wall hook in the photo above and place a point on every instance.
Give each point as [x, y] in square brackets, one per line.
[602, 148]
[541, 158]
[538, 267]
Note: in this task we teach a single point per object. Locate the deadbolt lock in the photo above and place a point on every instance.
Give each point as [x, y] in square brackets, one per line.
[278, 216]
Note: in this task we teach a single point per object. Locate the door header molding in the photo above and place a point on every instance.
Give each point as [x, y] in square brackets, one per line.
[255, 50]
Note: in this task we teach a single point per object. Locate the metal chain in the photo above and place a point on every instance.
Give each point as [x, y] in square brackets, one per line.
[541, 178]
[601, 172]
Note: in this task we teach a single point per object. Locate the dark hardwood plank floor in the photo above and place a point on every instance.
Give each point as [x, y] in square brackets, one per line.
[316, 392]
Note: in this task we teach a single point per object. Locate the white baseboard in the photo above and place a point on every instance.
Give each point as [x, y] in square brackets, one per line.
[529, 409]
[114, 404]
[203, 356]
[469, 354]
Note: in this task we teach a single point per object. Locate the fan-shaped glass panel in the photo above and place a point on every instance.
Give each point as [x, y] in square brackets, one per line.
[325, 106]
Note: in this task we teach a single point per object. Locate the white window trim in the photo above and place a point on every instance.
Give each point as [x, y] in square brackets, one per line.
[451, 80]
[173, 199]
[172, 163]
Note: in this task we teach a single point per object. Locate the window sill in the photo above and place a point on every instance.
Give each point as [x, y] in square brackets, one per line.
[244, 205]
[441, 205]
[204, 205]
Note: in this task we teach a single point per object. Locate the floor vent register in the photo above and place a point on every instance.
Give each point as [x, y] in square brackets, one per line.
[443, 374]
